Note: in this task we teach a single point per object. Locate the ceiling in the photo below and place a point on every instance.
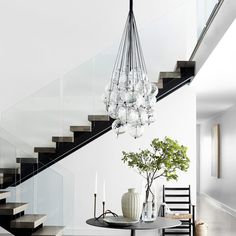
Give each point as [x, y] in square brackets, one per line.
[215, 83]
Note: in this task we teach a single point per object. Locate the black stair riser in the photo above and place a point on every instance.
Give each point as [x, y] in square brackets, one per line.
[28, 168]
[24, 232]
[10, 179]
[3, 201]
[5, 221]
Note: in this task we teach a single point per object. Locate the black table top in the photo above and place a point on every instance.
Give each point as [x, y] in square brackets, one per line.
[159, 223]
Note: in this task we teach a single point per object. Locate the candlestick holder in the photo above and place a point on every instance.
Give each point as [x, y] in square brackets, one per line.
[95, 206]
[105, 212]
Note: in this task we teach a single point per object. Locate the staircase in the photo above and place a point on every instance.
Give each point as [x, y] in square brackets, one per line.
[13, 219]
[167, 83]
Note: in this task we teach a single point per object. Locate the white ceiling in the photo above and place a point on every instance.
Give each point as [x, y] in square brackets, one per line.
[215, 83]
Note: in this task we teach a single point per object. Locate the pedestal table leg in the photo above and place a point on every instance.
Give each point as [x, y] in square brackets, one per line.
[132, 232]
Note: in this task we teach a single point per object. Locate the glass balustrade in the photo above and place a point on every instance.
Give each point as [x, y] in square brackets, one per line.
[55, 199]
[69, 100]
[205, 8]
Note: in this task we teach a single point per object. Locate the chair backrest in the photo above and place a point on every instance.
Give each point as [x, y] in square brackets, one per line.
[178, 199]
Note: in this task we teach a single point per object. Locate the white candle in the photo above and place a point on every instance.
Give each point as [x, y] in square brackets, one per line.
[96, 183]
[104, 192]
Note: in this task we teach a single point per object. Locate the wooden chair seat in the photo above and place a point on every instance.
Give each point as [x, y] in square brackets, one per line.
[180, 216]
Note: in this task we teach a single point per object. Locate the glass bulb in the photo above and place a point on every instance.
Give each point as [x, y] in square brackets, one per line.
[112, 111]
[122, 114]
[143, 116]
[133, 116]
[136, 131]
[119, 127]
[152, 118]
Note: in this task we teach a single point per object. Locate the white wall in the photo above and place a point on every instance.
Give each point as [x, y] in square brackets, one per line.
[62, 103]
[223, 189]
[42, 40]
[65, 191]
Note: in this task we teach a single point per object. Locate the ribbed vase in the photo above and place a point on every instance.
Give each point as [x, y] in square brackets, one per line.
[131, 204]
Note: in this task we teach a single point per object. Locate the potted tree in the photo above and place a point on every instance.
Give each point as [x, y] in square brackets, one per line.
[164, 159]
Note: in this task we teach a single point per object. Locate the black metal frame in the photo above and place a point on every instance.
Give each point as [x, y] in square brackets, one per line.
[187, 226]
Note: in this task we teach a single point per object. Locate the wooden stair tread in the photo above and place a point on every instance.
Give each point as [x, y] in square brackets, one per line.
[9, 170]
[159, 84]
[45, 149]
[4, 194]
[169, 75]
[61, 139]
[185, 64]
[28, 221]
[12, 208]
[49, 231]
[27, 160]
[80, 128]
[98, 118]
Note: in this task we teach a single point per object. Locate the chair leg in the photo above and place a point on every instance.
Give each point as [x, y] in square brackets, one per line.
[190, 228]
[193, 219]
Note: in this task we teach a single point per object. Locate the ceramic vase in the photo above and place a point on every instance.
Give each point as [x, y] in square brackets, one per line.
[131, 204]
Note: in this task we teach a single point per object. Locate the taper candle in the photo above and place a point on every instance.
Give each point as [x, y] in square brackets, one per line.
[104, 191]
[96, 183]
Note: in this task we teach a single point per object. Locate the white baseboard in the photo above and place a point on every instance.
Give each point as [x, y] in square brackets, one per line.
[220, 205]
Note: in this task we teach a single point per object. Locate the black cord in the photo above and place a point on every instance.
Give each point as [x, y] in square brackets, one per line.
[131, 6]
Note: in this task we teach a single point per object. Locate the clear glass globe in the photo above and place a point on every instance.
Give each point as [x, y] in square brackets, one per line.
[136, 131]
[152, 117]
[119, 127]
[140, 101]
[132, 116]
[112, 111]
[123, 79]
[122, 114]
[143, 116]
[114, 96]
[154, 90]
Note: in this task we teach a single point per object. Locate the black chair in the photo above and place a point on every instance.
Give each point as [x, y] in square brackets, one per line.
[179, 201]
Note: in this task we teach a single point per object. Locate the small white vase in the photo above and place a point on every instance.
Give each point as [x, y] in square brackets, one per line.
[131, 204]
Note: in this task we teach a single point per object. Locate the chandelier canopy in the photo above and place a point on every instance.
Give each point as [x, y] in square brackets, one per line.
[130, 97]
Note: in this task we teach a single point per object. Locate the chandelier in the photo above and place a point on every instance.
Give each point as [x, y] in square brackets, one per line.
[130, 97]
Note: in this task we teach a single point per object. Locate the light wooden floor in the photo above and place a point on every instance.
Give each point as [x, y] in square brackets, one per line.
[220, 223]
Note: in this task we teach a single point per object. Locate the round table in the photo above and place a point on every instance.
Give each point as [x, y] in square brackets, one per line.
[159, 223]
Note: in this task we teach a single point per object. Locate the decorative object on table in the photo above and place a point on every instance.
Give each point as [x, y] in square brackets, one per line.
[163, 160]
[120, 221]
[179, 198]
[130, 97]
[131, 204]
[215, 160]
[104, 212]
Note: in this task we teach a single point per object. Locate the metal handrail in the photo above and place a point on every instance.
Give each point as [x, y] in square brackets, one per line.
[206, 28]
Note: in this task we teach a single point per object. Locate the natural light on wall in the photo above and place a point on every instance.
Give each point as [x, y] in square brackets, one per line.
[215, 83]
